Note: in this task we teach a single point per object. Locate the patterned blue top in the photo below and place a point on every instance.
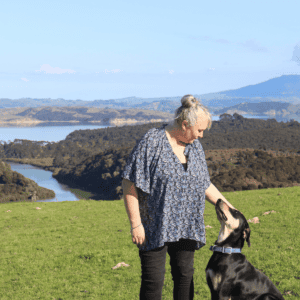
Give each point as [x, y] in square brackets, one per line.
[171, 199]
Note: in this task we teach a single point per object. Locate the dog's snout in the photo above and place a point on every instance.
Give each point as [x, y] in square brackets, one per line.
[219, 201]
[220, 212]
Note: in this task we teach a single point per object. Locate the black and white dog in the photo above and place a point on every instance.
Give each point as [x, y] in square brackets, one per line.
[228, 273]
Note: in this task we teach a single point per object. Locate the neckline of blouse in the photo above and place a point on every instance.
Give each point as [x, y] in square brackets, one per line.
[178, 145]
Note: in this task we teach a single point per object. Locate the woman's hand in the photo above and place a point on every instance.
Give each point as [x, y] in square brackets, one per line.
[138, 236]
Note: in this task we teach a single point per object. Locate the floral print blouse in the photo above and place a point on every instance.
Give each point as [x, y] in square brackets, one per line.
[171, 197]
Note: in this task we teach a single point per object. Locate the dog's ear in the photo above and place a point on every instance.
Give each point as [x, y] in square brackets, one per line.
[246, 235]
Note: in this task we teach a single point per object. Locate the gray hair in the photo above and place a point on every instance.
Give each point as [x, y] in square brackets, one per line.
[190, 110]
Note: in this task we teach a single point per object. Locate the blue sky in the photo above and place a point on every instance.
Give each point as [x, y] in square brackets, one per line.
[114, 49]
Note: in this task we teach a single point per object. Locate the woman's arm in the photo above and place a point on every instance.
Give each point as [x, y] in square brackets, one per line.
[131, 202]
[212, 195]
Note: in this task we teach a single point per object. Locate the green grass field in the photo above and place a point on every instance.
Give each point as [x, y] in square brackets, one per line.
[66, 250]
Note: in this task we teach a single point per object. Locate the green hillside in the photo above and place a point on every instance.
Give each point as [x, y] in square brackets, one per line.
[66, 250]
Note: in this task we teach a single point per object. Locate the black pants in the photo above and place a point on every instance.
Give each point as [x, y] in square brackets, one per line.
[153, 270]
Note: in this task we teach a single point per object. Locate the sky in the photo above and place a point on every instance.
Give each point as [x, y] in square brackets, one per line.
[92, 50]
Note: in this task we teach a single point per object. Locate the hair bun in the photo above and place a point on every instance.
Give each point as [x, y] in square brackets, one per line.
[189, 111]
[188, 101]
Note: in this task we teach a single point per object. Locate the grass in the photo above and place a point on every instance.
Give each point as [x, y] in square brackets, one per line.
[66, 250]
[80, 193]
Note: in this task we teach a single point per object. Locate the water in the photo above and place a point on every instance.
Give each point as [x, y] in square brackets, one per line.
[44, 178]
[41, 133]
[57, 133]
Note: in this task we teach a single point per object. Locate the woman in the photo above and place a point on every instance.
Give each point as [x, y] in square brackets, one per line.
[165, 182]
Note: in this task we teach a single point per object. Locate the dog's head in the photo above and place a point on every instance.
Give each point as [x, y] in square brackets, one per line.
[234, 226]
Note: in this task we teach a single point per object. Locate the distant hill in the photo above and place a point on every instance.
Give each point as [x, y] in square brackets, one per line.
[281, 111]
[130, 102]
[282, 95]
[70, 115]
[283, 87]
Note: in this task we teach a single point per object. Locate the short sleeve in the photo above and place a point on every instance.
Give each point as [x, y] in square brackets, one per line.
[205, 178]
[137, 169]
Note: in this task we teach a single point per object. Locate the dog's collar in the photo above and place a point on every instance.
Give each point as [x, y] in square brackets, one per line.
[228, 250]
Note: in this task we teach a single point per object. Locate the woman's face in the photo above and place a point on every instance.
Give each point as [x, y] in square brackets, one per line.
[196, 131]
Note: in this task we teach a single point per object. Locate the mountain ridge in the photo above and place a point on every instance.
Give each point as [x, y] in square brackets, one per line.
[285, 87]
[281, 93]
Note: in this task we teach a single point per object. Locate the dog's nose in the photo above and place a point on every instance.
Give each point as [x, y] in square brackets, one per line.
[219, 201]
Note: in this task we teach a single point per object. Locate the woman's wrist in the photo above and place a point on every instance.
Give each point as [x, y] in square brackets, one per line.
[135, 222]
[135, 227]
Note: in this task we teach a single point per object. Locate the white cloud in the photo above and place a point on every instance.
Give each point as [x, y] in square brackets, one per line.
[254, 46]
[171, 71]
[25, 79]
[112, 71]
[210, 70]
[50, 70]
[296, 54]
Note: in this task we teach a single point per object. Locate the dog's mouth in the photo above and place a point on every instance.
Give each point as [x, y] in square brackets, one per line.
[220, 213]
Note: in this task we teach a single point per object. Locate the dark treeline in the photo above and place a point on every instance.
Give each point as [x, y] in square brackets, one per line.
[241, 154]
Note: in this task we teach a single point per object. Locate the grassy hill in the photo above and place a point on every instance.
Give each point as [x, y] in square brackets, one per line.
[66, 250]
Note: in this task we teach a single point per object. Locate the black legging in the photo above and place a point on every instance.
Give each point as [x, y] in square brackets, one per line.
[153, 270]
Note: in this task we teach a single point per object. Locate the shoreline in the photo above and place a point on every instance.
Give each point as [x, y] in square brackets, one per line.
[81, 194]
[112, 122]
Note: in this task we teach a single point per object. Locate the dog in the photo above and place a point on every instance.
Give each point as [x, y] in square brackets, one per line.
[228, 273]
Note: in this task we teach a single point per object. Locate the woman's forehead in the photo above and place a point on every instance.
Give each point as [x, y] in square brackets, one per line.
[202, 122]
